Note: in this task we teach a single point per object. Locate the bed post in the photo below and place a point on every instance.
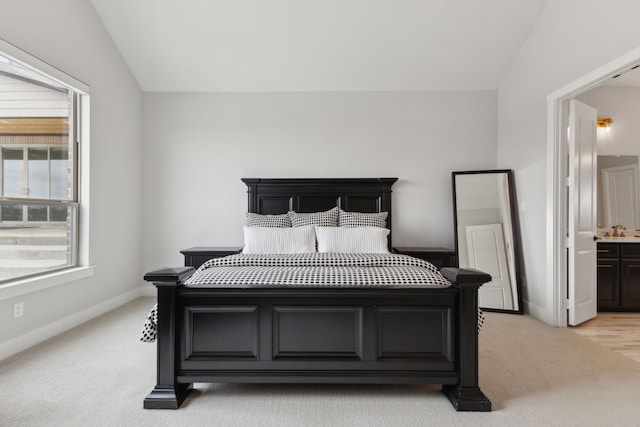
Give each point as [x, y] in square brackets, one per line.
[466, 395]
[168, 392]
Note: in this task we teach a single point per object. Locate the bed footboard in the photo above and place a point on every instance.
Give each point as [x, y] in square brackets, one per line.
[324, 335]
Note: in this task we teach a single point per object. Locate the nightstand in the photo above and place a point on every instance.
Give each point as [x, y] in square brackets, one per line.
[195, 257]
[440, 257]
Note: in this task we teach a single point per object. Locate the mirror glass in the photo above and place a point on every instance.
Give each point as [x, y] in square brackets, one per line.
[487, 236]
[618, 193]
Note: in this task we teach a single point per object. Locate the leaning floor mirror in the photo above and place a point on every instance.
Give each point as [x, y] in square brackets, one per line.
[487, 235]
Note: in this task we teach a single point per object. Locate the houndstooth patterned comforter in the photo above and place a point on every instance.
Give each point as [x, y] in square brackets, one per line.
[317, 270]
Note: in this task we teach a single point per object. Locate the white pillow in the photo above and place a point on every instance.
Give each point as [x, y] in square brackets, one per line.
[275, 240]
[370, 240]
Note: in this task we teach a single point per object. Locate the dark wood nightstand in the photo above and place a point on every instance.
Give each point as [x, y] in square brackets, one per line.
[440, 257]
[195, 257]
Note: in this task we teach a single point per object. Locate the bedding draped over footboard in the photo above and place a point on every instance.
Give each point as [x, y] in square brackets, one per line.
[310, 270]
[316, 270]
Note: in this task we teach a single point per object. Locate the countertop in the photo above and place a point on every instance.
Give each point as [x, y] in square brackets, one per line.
[626, 239]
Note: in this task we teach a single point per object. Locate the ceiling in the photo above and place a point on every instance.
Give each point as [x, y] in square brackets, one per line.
[629, 77]
[318, 45]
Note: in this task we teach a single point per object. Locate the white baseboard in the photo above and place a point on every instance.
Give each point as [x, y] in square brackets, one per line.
[23, 342]
[538, 312]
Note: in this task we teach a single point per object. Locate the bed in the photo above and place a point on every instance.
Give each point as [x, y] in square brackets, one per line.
[320, 334]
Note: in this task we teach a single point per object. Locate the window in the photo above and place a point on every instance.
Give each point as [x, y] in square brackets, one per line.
[39, 194]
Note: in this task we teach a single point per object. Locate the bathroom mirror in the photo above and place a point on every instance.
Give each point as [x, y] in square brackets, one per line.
[487, 235]
[618, 192]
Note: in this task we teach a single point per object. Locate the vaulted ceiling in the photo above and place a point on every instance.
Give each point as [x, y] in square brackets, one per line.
[318, 45]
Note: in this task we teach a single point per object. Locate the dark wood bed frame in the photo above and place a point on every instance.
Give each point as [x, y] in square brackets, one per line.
[322, 335]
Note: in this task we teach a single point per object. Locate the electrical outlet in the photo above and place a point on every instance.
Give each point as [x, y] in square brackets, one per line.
[18, 310]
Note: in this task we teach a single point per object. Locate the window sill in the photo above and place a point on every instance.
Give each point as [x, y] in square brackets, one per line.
[33, 284]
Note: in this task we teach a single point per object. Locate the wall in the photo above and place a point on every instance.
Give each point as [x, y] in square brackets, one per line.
[622, 103]
[68, 35]
[198, 146]
[570, 39]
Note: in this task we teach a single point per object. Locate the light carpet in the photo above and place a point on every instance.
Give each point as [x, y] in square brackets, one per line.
[98, 374]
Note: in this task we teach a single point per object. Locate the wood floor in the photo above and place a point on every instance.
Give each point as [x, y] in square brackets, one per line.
[618, 331]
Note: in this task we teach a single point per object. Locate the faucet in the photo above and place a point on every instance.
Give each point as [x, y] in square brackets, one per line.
[615, 230]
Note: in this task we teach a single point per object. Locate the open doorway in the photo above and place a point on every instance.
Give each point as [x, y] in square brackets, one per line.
[558, 165]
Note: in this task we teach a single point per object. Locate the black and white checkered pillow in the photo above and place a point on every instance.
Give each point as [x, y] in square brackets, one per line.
[258, 220]
[326, 219]
[362, 219]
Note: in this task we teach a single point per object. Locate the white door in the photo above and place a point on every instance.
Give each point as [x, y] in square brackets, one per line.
[487, 253]
[582, 278]
[620, 196]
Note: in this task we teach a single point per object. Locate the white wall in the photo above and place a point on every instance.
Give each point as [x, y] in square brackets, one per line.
[622, 104]
[198, 146]
[68, 35]
[570, 39]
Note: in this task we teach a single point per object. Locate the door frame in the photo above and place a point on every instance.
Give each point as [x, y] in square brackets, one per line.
[557, 168]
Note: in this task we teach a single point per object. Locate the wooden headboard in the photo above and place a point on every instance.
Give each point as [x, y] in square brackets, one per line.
[280, 195]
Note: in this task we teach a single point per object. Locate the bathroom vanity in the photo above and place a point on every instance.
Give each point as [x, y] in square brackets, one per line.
[619, 274]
